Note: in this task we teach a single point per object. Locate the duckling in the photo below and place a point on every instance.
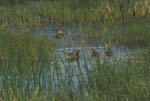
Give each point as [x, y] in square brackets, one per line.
[95, 53]
[73, 56]
[60, 33]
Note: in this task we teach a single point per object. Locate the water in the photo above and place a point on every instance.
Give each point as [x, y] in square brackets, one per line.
[70, 76]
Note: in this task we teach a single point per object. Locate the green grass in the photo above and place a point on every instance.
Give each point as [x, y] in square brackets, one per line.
[23, 49]
[26, 59]
[84, 11]
[106, 82]
[126, 34]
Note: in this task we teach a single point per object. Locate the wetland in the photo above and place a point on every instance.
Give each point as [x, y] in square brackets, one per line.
[74, 50]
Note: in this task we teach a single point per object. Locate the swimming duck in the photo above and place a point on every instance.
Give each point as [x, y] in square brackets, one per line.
[95, 53]
[73, 56]
[60, 33]
[108, 51]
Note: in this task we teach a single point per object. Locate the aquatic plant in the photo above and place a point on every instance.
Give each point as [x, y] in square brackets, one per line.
[30, 67]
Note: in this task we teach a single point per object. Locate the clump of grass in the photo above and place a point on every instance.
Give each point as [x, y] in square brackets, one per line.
[21, 57]
[22, 51]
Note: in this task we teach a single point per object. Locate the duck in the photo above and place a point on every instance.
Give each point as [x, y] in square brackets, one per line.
[74, 56]
[95, 53]
[60, 33]
[108, 51]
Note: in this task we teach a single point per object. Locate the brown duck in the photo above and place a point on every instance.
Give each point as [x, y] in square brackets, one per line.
[60, 33]
[108, 51]
[73, 56]
[95, 53]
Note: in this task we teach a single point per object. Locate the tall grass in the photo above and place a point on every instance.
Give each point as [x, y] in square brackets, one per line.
[105, 82]
[29, 66]
[83, 11]
[21, 56]
[127, 34]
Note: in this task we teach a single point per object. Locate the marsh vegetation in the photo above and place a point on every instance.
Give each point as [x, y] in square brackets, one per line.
[74, 50]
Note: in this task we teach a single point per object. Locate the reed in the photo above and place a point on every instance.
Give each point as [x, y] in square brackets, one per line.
[127, 34]
[128, 81]
[40, 13]
[30, 67]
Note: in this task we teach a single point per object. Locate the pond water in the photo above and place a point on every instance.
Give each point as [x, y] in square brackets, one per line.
[70, 75]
